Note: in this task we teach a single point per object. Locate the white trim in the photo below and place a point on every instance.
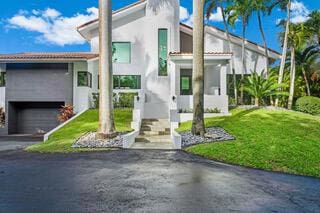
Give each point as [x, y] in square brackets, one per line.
[129, 139]
[46, 136]
[85, 31]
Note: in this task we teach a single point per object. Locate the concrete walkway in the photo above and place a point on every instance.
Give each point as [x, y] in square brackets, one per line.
[15, 145]
[146, 181]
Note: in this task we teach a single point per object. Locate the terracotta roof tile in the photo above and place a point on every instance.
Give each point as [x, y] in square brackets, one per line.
[48, 56]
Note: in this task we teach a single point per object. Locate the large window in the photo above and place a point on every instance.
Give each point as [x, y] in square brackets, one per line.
[121, 52]
[84, 79]
[163, 51]
[2, 79]
[127, 82]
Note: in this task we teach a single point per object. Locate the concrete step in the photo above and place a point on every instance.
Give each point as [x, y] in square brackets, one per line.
[155, 128]
[153, 133]
[143, 145]
[164, 123]
[154, 139]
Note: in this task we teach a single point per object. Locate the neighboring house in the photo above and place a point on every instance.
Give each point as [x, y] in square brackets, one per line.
[153, 56]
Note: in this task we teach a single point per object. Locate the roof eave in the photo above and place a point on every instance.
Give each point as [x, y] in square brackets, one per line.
[86, 28]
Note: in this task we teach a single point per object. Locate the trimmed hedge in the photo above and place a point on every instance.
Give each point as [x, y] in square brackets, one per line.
[308, 104]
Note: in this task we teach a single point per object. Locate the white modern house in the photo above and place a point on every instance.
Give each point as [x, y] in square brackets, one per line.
[153, 57]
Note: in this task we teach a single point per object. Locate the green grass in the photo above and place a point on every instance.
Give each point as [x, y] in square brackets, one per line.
[62, 140]
[282, 141]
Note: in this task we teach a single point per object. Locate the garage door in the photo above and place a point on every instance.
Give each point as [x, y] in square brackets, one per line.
[36, 118]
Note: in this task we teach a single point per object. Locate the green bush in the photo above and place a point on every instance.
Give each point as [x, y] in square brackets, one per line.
[126, 100]
[95, 100]
[309, 105]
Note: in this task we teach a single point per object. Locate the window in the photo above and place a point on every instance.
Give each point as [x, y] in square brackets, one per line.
[163, 52]
[2, 79]
[185, 82]
[126, 82]
[121, 52]
[84, 79]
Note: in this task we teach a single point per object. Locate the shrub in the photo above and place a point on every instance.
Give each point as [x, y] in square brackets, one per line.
[66, 112]
[96, 100]
[309, 105]
[126, 100]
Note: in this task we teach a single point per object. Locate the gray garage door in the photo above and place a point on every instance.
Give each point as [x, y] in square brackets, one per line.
[36, 118]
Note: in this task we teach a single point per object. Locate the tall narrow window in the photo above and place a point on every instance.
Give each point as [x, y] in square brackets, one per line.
[2, 79]
[163, 52]
[121, 52]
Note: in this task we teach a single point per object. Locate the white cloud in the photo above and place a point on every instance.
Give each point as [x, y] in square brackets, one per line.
[51, 13]
[299, 12]
[217, 16]
[184, 13]
[53, 28]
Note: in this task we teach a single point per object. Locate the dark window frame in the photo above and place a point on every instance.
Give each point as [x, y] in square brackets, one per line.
[130, 51]
[167, 45]
[89, 79]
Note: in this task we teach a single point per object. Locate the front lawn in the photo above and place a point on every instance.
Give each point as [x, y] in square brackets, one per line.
[267, 139]
[62, 140]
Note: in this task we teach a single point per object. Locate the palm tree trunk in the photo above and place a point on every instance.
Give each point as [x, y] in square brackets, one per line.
[307, 82]
[284, 49]
[106, 122]
[256, 102]
[242, 60]
[229, 50]
[264, 41]
[292, 78]
[198, 127]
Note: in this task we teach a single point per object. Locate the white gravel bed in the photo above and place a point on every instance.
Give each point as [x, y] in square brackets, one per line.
[89, 140]
[213, 134]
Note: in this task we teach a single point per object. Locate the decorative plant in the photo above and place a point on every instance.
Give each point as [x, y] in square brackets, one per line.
[66, 112]
[261, 87]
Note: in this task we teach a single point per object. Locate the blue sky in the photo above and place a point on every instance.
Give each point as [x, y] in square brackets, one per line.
[48, 25]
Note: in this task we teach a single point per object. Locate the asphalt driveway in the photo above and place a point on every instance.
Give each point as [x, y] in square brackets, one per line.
[146, 181]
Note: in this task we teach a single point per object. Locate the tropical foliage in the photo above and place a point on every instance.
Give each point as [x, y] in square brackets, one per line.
[260, 87]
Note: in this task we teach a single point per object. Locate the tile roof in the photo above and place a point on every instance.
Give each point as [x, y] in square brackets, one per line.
[114, 12]
[206, 53]
[49, 56]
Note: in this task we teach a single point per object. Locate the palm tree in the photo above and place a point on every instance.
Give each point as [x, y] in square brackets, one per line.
[261, 7]
[215, 4]
[198, 127]
[297, 37]
[106, 122]
[313, 24]
[283, 4]
[306, 58]
[261, 87]
[241, 9]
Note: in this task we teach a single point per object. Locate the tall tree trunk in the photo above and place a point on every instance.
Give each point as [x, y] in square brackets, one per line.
[266, 52]
[230, 50]
[292, 78]
[284, 49]
[243, 59]
[306, 81]
[198, 127]
[106, 122]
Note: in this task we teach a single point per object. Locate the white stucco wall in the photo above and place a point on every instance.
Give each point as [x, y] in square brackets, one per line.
[2, 89]
[81, 95]
[254, 61]
[141, 29]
